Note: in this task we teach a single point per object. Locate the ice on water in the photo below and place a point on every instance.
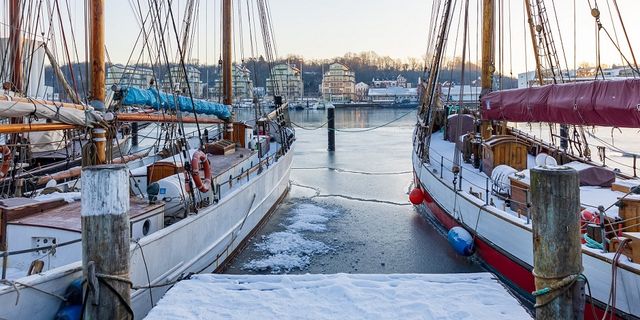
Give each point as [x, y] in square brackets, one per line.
[291, 249]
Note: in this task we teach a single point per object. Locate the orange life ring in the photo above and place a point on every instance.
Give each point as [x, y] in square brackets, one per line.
[201, 157]
[6, 161]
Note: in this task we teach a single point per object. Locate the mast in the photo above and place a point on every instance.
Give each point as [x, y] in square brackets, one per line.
[16, 42]
[532, 31]
[97, 77]
[227, 87]
[488, 68]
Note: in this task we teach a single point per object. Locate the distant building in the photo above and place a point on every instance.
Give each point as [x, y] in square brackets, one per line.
[286, 81]
[451, 93]
[259, 91]
[241, 83]
[530, 78]
[130, 76]
[362, 90]
[338, 84]
[400, 82]
[393, 95]
[176, 77]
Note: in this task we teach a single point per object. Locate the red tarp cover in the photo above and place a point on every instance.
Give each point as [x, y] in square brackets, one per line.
[613, 103]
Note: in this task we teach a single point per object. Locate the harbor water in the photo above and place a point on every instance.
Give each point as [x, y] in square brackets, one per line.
[348, 210]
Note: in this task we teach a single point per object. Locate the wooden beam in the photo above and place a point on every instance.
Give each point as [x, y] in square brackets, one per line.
[488, 68]
[15, 34]
[34, 127]
[105, 241]
[96, 51]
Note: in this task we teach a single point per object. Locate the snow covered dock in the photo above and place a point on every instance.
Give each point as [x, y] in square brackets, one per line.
[339, 296]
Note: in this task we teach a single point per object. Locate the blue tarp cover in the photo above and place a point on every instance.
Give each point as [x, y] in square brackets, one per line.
[162, 101]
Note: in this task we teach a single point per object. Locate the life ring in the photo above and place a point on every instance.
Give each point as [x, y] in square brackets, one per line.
[6, 161]
[201, 157]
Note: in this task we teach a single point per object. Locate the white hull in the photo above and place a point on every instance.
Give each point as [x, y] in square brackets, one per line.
[199, 243]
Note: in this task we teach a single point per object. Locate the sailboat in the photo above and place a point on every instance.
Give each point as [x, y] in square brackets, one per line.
[193, 205]
[471, 169]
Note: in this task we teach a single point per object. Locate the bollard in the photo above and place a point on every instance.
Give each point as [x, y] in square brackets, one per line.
[134, 134]
[557, 257]
[331, 127]
[105, 241]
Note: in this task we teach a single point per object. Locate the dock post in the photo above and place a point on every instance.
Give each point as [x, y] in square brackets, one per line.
[105, 241]
[331, 127]
[134, 134]
[557, 254]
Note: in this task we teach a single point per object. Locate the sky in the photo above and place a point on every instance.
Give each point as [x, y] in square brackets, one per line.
[397, 28]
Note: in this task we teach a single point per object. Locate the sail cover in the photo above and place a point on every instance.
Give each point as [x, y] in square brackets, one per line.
[614, 103]
[162, 101]
[41, 109]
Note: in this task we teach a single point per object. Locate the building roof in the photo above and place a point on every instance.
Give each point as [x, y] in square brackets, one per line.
[393, 91]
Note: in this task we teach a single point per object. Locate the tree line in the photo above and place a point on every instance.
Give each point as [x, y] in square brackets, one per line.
[366, 66]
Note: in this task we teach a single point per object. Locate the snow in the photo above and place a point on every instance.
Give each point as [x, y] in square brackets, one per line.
[339, 296]
[290, 249]
[66, 196]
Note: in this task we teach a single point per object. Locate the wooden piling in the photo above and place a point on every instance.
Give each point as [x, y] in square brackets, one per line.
[557, 259]
[105, 241]
[331, 127]
[134, 134]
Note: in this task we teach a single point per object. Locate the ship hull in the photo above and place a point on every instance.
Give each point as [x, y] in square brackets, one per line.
[201, 243]
[505, 247]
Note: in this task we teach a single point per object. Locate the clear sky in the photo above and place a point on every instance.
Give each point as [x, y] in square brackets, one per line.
[397, 28]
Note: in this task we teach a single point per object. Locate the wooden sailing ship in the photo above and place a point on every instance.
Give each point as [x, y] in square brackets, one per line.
[479, 179]
[193, 204]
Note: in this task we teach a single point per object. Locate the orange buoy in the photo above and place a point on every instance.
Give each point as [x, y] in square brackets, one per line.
[416, 196]
[6, 161]
[202, 185]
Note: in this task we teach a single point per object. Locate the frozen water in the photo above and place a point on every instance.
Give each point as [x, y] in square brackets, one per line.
[289, 249]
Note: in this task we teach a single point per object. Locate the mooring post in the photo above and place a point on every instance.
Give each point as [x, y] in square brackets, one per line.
[557, 259]
[134, 134]
[105, 241]
[331, 127]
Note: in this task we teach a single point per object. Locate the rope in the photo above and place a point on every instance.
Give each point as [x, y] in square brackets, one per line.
[374, 128]
[15, 285]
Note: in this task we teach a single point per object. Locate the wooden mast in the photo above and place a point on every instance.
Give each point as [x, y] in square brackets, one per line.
[532, 31]
[16, 43]
[98, 74]
[227, 85]
[486, 77]
[487, 46]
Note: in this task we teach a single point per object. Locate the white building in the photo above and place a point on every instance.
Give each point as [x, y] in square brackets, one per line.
[286, 81]
[400, 81]
[393, 95]
[179, 84]
[338, 84]
[451, 94]
[130, 76]
[241, 83]
[362, 90]
[530, 78]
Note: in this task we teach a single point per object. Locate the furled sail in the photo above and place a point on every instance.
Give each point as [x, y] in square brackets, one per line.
[162, 101]
[11, 107]
[614, 103]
